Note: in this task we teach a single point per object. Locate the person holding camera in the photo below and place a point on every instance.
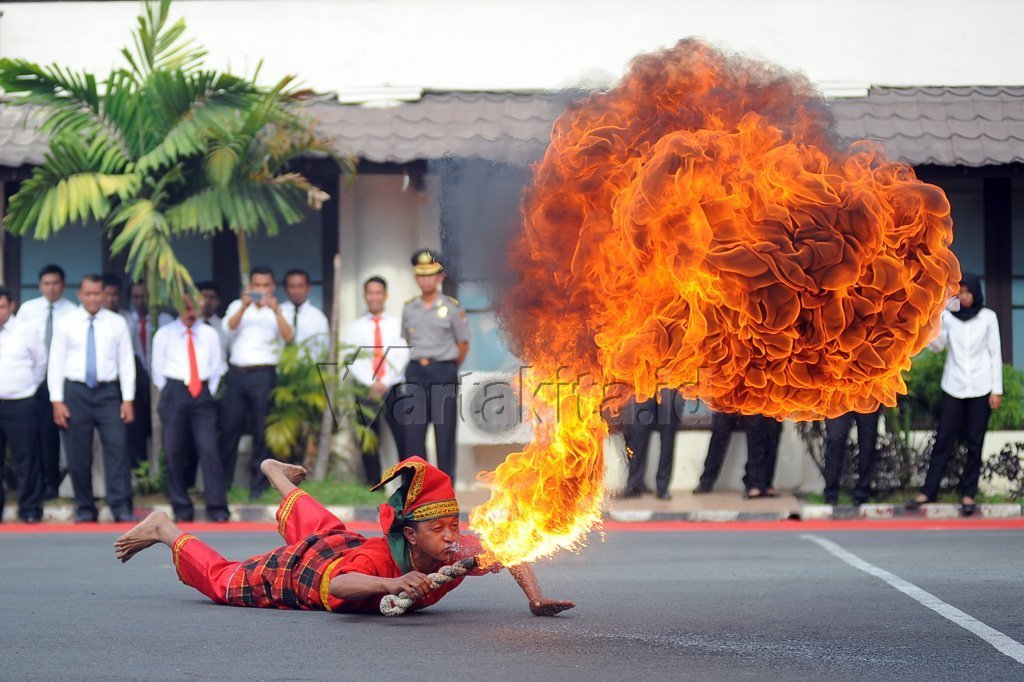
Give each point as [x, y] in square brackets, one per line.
[257, 331]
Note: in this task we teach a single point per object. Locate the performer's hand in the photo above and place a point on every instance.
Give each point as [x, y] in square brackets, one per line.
[246, 301]
[61, 414]
[271, 302]
[550, 607]
[413, 583]
[995, 401]
[127, 412]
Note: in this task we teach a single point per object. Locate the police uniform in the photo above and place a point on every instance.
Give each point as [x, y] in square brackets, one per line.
[431, 389]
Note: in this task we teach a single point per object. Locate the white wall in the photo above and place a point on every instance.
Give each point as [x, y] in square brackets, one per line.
[352, 45]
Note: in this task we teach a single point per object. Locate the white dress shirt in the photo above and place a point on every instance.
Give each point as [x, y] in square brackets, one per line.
[115, 358]
[312, 324]
[34, 314]
[974, 359]
[170, 354]
[256, 340]
[22, 360]
[360, 334]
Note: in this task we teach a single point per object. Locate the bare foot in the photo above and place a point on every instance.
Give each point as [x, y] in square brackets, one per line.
[271, 468]
[156, 527]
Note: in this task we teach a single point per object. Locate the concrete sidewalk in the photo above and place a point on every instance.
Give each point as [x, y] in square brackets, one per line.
[684, 506]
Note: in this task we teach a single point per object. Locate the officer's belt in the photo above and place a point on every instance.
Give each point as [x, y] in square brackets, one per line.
[428, 361]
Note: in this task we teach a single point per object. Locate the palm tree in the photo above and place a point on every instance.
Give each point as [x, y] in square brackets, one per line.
[163, 148]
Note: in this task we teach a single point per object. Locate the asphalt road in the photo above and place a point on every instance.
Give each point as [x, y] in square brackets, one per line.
[651, 606]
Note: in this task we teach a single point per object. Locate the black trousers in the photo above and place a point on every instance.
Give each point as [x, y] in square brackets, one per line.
[191, 421]
[18, 429]
[836, 432]
[762, 446]
[49, 442]
[429, 395]
[965, 420]
[643, 419]
[141, 428]
[246, 394]
[100, 409]
[382, 409]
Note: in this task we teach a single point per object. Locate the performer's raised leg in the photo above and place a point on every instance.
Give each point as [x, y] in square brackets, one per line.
[198, 565]
[299, 515]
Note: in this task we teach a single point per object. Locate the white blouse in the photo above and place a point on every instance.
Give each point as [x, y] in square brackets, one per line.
[974, 358]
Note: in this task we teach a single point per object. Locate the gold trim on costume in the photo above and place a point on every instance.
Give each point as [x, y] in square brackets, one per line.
[286, 509]
[419, 475]
[176, 548]
[436, 510]
[325, 584]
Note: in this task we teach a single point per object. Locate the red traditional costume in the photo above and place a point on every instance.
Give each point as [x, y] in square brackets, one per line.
[298, 575]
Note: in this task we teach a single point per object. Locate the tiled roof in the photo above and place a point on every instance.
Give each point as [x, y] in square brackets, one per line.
[967, 126]
[963, 126]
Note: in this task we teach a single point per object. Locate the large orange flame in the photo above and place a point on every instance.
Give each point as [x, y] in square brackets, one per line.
[702, 226]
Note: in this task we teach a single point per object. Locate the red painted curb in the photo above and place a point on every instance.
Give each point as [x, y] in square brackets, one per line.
[610, 526]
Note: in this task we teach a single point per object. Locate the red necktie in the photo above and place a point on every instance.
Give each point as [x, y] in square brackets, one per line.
[142, 336]
[195, 386]
[378, 350]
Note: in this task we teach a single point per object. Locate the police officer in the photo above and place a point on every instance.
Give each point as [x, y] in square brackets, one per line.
[436, 329]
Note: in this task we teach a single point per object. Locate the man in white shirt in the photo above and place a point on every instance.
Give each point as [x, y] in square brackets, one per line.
[91, 377]
[208, 311]
[381, 355]
[187, 367]
[257, 330]
[308, 323]
[23, 360]
[45, 314]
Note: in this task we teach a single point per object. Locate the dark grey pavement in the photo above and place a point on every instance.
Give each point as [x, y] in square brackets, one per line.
[652, 606]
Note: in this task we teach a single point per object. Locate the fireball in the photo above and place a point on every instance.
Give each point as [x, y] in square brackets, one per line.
[703, 227]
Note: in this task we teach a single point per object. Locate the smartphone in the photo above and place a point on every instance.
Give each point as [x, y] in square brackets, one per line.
[255, 296]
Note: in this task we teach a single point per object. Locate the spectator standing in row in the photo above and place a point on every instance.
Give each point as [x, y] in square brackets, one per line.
[257, 329]
[111, 292]
[437, 331]
[643, 419]
[837, 431]
[381, 357]
[972, 386]
[187, 366]
[91, 377]
[23, 363]
[210, 309]
[309, 324]
[141, 327]
[45, 315]
[762, 448]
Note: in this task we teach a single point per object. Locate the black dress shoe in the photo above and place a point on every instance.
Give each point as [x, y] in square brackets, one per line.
[968, 509]
[218, 516]
[31, 518]
[184, 518]
[913, 504]
[631, 492]
[86, 517]
[125, 517]
[702, 490]
[664, 495]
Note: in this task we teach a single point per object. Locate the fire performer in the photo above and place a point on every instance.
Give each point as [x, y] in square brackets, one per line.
[324, 565]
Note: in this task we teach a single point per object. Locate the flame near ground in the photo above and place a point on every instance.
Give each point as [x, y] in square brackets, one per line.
[703, 227]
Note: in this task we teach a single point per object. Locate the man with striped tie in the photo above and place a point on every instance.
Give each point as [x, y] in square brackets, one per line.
[91, 377]
[381, 355]
[187, 366]
[45, 314]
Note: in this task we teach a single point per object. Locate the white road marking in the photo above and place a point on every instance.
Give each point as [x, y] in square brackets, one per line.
[1001, 642]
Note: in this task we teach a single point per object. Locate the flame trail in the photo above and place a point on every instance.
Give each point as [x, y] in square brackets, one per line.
[702, 226]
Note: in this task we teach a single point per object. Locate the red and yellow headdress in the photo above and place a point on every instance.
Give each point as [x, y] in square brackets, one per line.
[426, 493]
